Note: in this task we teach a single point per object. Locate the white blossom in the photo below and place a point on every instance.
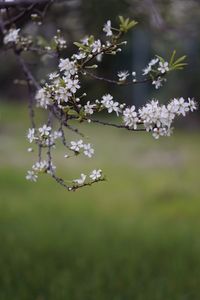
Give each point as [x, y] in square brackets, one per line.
[113, 106]
[163, 131]
[79, 56]
[110, 104]
[158, 82]
[95, 174]
[192, 104]
[123, 75]
[53, 75]
[153, 62]
[85, 40]
[43, 98]
[163, 67]
[60, 42]
[89, 108]
[147, 70]
[130, 117]
[81, 180]
[32, 176]
[106, 99]
[96, 46]
[107, 28]
[62, 94]
[57, 134]
[72, 85]
[12, 36]
[76, 146]
[181, 106]
[44, 130]
[40, 166]
[31, 134]
[88, 150]
[68, 67]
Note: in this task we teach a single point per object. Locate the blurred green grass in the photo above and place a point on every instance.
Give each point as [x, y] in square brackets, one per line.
[136, 236]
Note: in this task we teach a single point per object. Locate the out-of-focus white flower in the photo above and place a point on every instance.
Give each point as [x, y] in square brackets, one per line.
[153, 62]
[53, 75]
[31, 134]
[88, 150]
[79, 56]
[81, 180]
[43, 98]
[60, 42]
[192, 104]
[32, 176]
[147, 70]
[158, 82]
[85, 40]
[57, 134]
[123, 75]
[12, 36]
[40, 166]
[96, 46]
[107, 28]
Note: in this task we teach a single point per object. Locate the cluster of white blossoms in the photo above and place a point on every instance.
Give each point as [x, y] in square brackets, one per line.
[79, 146]
[62, 96]
[110, 105]
[63, 92]
[40, 167]
[158, 118]
[157, 66]
[43, 136]
[62, 88]
[95, 175]
[60, 41]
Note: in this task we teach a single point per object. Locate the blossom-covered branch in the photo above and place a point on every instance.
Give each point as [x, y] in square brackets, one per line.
[65, 99]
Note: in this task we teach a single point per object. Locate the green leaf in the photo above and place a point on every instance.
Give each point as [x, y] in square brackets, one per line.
[172, 57]
[126, 24]
[72, 112]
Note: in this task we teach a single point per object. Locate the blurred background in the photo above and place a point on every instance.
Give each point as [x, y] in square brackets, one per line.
[136, 236]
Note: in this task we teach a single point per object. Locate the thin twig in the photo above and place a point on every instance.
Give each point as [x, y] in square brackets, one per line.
[116, 125]
[116, 81]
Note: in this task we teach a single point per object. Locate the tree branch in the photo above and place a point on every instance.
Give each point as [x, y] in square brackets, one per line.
[116, 81]
[15, 3]
[116, 125]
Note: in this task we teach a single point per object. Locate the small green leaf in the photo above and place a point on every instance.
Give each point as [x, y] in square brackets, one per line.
[72, 112]
[172, 57]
